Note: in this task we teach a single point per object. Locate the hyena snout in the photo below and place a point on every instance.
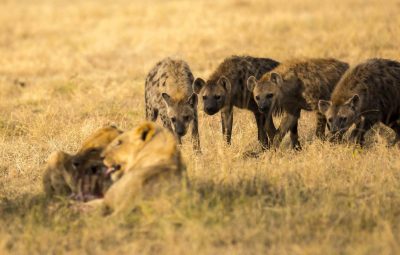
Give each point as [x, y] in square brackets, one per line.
[211, 107]
[337, 124]
[180, 129]
[264, 106]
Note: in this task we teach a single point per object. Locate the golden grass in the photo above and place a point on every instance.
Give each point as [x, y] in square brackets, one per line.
[69, 67]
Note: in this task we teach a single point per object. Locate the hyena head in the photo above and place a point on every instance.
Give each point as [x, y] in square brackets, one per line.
[264, 92]
[270, 89]
[341, 117]
[181, 113]
[215, 95]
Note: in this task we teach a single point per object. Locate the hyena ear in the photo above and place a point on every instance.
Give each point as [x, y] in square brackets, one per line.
[167, 98]
[198, 84]
[225, 83]
[251, 83]
[323, 106]
[354, 102]
[276, 78]
[193, 100]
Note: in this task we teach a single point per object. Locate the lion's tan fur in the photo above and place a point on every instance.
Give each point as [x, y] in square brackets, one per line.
[143, 154]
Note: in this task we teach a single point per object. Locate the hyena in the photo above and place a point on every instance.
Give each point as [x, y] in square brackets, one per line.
[226, 88]
[367, 94]
[294, 86]
[169, 94]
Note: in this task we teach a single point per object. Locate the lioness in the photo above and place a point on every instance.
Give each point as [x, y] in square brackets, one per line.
[136, 160]
[64, 172]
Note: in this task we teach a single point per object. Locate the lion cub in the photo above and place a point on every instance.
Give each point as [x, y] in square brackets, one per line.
[136, 160]
[64, 172]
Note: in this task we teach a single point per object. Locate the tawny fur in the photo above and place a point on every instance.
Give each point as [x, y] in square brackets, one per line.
[139, 159]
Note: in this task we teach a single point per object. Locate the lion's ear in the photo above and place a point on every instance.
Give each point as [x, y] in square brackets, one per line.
[113, 126]
[146, 131]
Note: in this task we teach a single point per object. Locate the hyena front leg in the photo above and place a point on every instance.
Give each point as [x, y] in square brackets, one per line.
[167, 124]
[321, 124]
[289, 122]
[358, 134]
[227, 120]
[294, 136]
[151, 113]
[262, 136]
[195, 134]
[270, 128]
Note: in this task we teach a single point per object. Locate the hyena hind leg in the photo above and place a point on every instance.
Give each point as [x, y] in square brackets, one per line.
[321, 124]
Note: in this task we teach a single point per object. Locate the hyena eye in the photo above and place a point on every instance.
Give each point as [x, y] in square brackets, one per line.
[204, 97]
[173, 119]
[119, 142]
[186, 118]
[269, 95]
[343, 119]
[257, 98]
[217, 97]
[330, 120]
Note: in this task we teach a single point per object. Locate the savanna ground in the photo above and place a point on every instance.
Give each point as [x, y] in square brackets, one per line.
[70, 67]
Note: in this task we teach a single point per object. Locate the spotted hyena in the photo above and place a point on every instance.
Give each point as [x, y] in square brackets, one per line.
[169, 94]
[226, 88]
[367, 94]
[294, 86]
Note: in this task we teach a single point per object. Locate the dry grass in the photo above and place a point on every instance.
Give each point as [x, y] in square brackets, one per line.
[69, 67]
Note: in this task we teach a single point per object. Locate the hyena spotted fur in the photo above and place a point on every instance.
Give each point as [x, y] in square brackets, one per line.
[294, 86]
[367, 94]
[226, 88]
[169, 94]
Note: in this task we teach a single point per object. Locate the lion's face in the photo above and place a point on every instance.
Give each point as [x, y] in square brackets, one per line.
[122, 151]
[147, 145]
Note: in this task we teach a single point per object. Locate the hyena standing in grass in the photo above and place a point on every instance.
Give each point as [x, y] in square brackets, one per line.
[169, 94]
[294, 86]
[226, 88]
[367, 94]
